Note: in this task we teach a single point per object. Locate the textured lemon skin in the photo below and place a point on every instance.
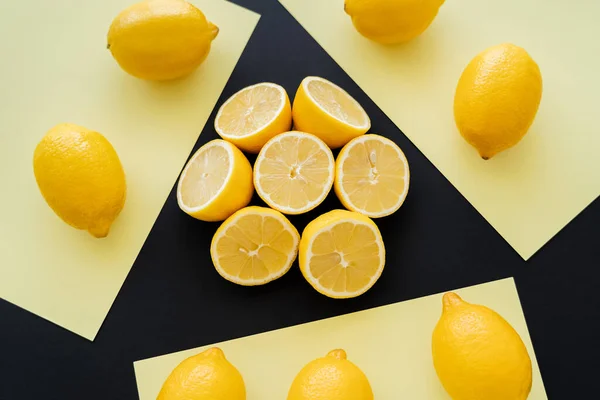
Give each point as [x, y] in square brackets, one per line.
[332, 377]
[80, 176]
[309, 117]
[326, 221]
[254, 143]
[236, 193]
[478, 355]
[160, 39]
[205, 376]
[392, 21]
[497, 98]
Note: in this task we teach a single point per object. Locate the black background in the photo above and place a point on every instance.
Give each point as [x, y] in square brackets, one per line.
[173, 299]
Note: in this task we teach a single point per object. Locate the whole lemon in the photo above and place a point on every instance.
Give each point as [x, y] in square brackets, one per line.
[332, 377]
[478, 355]
[161, 39]
[392, 21]
[81, 177]
[497, 98]
[205, 376]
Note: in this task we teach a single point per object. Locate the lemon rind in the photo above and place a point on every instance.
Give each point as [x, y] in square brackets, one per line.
[339, 175]
[263, 212]
[247, 135]
[326, 188]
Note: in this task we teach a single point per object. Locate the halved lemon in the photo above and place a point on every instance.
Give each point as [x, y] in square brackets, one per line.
[254, 115]
[371, 176]
[341, 254]
[328, 111]
[254, 246]
[216, 182]
[294, 172]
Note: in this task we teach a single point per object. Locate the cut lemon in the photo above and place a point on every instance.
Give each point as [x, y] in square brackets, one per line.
[328, 111]
[254, 246]
[294, 172]
[254, 115]
[216, 182]
[341, 254]
[371, 176]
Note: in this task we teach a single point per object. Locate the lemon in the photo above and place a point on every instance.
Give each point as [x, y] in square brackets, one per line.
[392, 21]
[254, 246]
[216, 182]
[341, 254]
[254, 115]
[371, 176]
[328, 111]
[497, 98]
[478, 355]
[81, 177]
[205, 376]
[294, 172]
[332, 377]
[160, 39]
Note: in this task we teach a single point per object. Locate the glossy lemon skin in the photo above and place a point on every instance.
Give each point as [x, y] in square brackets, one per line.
[205, 376]
[392, 21]
[81, 177]
[478, 355]
[161, 40]
[497, 98]
[332, 377]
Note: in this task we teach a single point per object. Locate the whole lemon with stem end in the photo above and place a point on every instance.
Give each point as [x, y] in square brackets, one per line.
[161, 39]
[81, 177]
[478, 355]
[497, 98]
[392, 21]
[208, 375]
[332, 377]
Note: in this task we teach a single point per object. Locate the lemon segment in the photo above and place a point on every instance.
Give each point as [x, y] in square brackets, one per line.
[80, 176]
[497, 98]
[477, 354]
[341, 254]
[216, 182]
[328, 111]
[332, 377]
[254, 246]
[160, 39]
[372, 176]
[254, 115]
[294, 172]
[208, 375]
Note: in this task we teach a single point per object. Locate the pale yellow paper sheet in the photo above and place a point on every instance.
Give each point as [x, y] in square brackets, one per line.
[527, 193]
[56, 68]
[391, 344]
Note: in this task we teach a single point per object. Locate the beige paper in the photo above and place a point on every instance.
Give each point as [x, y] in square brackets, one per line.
[527, 193]
[391, 344]
[56, 68]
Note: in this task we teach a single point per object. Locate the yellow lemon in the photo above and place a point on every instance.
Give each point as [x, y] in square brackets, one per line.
[254, 246]
[332, 377]
[208, 375]
[371, 176]
[478, 355]
[328, 111]
[497, 98]
[254, 115]
[294, 172]
[160, 39]
[341, 254]
[392, 21]
[216, 182]
[81, 177]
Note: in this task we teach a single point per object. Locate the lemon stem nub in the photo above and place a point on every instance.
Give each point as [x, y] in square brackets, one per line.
[338, 353]
[451, 300]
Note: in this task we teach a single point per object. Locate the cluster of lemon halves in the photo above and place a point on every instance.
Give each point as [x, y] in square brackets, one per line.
[341, 253]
